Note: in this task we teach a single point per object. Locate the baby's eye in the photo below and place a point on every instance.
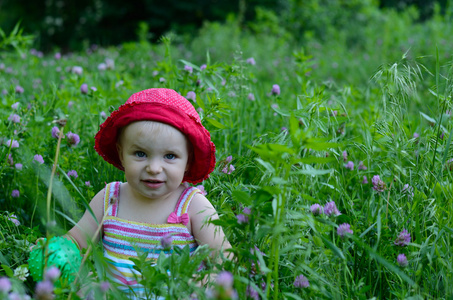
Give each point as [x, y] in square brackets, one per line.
[170, 156]
[140, 154]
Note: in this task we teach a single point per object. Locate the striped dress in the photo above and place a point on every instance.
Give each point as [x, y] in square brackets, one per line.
[121, 237]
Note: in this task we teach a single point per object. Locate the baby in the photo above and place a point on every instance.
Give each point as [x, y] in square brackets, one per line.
[157, 139]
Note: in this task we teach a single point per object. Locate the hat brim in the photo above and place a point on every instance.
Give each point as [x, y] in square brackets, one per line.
[203, 158]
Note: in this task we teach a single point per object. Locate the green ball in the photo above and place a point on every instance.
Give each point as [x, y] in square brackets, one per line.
[62, 253]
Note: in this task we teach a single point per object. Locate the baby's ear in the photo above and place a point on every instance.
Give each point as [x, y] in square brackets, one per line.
[119, 149]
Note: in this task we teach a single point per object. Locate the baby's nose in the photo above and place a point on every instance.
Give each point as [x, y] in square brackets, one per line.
[154, 166]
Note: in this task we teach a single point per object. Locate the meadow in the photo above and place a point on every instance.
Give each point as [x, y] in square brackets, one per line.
[334, 167]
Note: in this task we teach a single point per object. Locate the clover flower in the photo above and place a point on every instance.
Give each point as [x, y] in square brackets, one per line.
[73, 173]
[52, 274]
[15, 118]
[402, 260]
[55, 132]
[416, 135]
[77, 70]
[202, 189]
[44, 290]
[407, 189]
[13, 218]
[365, 180]
[191, 96]
[251, 97]
[345, 155]
[15, 194]
[275, 90]
[316, 209]
[188, 69]
[252, 293]
[242, 219]
[228, 170]
[378, 184]
[5, 284]
[225, 279]
[18, 166]
[403, 239]
[21, 273]
[84, 88]
[87, 183]
[166, 241]
[343, 229]
[15, 105]
[349, 165]
[19, 89]
[73, 138]
[330, 208]
[12, 143]
[203, 67]
[251, 61]
[38, 158]
[301, 282]
[103, 115]
[361, 166]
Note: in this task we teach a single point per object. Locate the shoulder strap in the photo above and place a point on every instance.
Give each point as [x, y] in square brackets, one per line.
[184, 201]
[111, 198]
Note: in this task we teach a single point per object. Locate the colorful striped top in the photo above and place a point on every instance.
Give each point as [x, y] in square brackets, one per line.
[121, 237]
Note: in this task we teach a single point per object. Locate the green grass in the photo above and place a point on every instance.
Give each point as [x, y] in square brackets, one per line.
[365, 92]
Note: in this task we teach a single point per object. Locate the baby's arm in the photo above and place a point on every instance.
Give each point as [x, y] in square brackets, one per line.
[200, 211]
[87, 226]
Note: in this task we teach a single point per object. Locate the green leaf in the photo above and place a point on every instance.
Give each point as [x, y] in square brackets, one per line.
[428, 118]
[332, 247]
[316, 160]
[8, 271]
[216, 123]
[313, 172]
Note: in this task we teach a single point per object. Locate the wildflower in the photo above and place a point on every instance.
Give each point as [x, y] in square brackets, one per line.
[403, 239]
[166, 241]
[230, 170]
[55, 132]
[162, 80]
[52, 274]
[225, 279]
[84, 88]
[102, 67]
[18, 166]
[349, 165]
[73, 173]
[70, 104]
[103, 115]
[10, 159]
[73, 138]
[12, 143]
[242, 219]
[345, 155]
[87, 183]
[38, 158]
[416, 135]
[44, 290]
[105, 286]
[228, 159]
[202, 190]
[251, 97]
[316, 209]
[15, 105]
[21, 273]
[231, 94]
[365, 180]
[14, 118]
[343, 229]
[57, 55]
[247, 211]
[110, 63]
[77, 70]
[252, 293]
[275, 90]
[188, 69]
[378, 184]
[191, 96]
[13, 218]
[119, 83]
[402, 260]
[301, 282]
[331, 209]
[5, 284]
[361, 166]
[93, 88]
[15, 194]
[334, 113]
[19, 89]
[203, 67]
[251, 61]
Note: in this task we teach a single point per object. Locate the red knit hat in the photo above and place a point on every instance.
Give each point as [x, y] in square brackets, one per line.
[165, 106]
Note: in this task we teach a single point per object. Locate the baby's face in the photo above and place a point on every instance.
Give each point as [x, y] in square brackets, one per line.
[154, 156]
